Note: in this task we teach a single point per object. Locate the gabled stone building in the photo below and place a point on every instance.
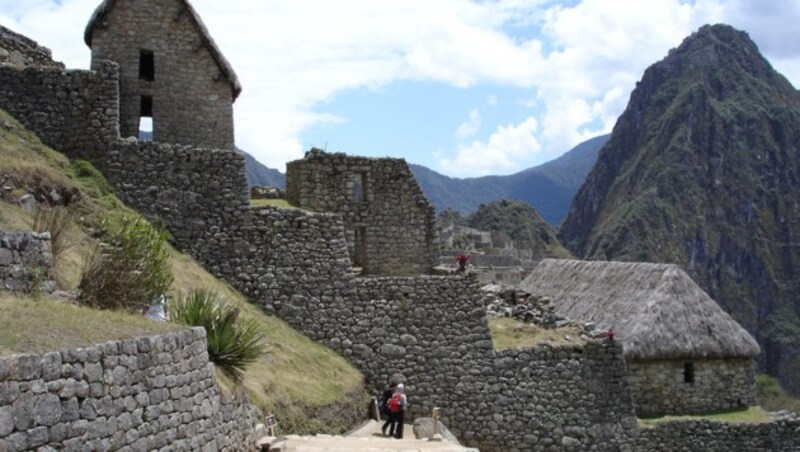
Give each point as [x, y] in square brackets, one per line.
[170, 70]
[390, 225]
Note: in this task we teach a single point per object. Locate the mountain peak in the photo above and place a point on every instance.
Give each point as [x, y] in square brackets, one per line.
[719, 56]
[702, 170]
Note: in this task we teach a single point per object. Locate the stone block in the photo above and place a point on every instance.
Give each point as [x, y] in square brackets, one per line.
[26, 367]
[6, 421]
[47, 410]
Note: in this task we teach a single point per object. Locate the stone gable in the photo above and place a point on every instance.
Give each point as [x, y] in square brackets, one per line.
[168, 71]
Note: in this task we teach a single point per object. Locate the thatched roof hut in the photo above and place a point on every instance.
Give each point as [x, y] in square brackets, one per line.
[656, 310]
[98, 20]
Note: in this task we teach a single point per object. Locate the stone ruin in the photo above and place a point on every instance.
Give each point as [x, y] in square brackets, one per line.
[298, 264]
[390, 225]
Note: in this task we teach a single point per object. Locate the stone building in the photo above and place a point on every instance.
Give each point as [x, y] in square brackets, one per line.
[683, 352]
[171, 71]
[390, 225]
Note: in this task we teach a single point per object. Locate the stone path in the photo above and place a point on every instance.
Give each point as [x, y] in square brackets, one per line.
[367, 438]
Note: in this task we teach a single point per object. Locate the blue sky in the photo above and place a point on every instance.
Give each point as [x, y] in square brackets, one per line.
[464, 87]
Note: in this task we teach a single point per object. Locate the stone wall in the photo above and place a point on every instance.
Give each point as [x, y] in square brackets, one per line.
[19, 50]
[75, 112]
[26, 264]
[720, 437]
[192, 100]
[390, 226]
[195, 193]
[661, 387]
[138, 394]
[432, 333]
[192, 191]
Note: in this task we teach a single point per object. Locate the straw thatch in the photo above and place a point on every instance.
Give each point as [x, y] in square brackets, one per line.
[227, 70]
[656, 310]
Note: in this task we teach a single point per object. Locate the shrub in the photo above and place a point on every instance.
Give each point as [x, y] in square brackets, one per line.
[233, 343]
[772, 396]
[129, 270]
[56, 221]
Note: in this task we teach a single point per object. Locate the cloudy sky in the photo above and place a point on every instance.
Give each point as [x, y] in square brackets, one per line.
[465, 87]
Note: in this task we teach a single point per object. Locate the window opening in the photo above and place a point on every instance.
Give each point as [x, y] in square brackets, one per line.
[688, 372]
[147, 65]
[146, 118]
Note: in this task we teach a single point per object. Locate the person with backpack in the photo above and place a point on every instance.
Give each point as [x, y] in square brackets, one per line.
[397, 408]
[387, 396]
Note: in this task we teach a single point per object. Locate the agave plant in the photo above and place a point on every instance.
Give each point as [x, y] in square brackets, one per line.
[233, 343]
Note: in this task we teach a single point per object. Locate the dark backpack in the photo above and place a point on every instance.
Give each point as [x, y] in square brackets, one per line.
[394, 402]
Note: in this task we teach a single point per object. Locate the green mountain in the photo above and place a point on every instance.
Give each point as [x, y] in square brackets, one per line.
[521, 222]
[260, 174]
[703, 170]
[549, 187]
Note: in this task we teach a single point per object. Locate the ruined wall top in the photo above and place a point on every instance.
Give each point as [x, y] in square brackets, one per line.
[16, 49]
[390, 225]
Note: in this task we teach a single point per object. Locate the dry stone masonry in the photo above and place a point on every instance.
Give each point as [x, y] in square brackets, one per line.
[19, 50]
[390, 226]
[681, 386]
[148, 393]
[170, 71]
[26, 263]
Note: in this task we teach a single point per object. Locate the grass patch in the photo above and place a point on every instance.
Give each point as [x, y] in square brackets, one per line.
[280, 203]
[509, 333]
[294, 367]
[44, 325]
[14, 218]
[751, 415]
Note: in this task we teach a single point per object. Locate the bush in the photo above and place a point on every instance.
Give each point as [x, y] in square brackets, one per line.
[233, 343]
[772, 397]
[56, 221]
[128, 271]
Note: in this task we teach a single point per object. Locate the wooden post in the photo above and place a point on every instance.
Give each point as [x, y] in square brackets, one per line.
[270, 423]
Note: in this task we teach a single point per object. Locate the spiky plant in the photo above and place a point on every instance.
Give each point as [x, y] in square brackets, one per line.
[233, 343]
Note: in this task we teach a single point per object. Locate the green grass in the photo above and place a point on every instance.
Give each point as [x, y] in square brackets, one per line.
[509, 333]
[37, 326]
[751, 415]
[281, 203]
[307, 385]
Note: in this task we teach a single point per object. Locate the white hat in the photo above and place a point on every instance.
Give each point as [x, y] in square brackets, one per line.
[400, 387]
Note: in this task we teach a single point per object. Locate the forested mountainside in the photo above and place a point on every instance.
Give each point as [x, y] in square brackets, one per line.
[521, 222]
[549, 187]
[703, 170]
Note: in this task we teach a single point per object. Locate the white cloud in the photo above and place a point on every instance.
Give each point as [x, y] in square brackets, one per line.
[499, 154]
[492, 100]
[469, 128]
[577, 63]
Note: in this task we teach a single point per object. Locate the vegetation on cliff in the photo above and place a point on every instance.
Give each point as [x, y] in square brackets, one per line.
[703, 170]
[522, 223]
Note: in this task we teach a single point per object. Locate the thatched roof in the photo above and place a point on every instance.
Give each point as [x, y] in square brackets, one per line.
[657, 310]
[224, 66]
